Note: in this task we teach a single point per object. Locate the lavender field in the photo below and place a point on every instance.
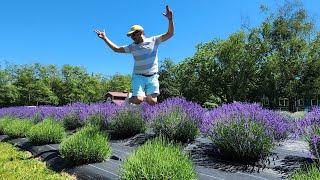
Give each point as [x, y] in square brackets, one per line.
[240, 132]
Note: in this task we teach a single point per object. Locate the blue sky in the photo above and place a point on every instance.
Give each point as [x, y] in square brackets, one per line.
[61, 32]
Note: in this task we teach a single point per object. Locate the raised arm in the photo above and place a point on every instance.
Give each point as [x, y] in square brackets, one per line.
[114, 47]
[170, 31]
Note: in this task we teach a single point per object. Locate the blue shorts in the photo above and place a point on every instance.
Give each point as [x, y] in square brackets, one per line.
[142, 86]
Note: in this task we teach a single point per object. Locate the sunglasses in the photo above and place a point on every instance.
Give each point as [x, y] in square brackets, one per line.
[134, 33]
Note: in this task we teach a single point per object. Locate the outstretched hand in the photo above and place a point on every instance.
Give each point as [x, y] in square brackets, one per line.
[168, 13]
[101, 34]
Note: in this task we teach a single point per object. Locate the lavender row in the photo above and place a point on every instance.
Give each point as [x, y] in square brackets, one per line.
[275, 124]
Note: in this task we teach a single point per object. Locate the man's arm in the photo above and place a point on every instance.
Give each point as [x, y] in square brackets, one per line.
[170, 31]
[114, 47]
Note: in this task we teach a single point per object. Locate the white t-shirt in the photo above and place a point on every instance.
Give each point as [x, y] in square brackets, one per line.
[145, 55]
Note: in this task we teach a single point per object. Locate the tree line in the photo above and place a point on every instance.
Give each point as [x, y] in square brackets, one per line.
[38, 84]
[278, 58]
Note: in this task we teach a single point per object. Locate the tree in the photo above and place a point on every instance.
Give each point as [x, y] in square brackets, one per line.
[8, 92]
[169, 86]
[310, 78]
[118, 82]
[286, 36]
[198, 76]
[33, 89]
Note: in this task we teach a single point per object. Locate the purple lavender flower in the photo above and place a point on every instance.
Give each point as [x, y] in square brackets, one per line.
[193, 110]
[309, 128]
[58, 113]
[176, 118]
[275, 125]
[315, 139]
[304, 126]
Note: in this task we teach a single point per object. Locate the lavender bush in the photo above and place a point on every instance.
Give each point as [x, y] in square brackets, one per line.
[97, 119]
[243, 131]
[158, 159]
[48, 131]
[4, 121]
[18, 112]
[309, 128]
[175, 125]
[241, 140]
[275, 125]
[126, 122]
[72, 121]
[39, 113]
[175, 118]
[17, 128]
[294, 119]
[88, 145]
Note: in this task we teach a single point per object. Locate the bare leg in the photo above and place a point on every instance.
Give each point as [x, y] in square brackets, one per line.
[136, 99]
[152, 99]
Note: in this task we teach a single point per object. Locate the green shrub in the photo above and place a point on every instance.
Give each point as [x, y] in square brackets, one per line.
[97, 119]
[241, 140]
[175, 125]
[212, 102]
[3, 123]
[210, 105]
[309, 172]
[72, 120]
[47, 132]
[158, 159]
[17, 128]
[86, 146]
[127, 123]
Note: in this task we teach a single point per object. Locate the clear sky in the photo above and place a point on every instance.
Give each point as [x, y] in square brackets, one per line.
[61, 31]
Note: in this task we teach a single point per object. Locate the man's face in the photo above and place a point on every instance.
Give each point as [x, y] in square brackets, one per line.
[136, 36]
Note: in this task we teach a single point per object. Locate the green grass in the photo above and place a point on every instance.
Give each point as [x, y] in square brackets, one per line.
[310, 173]
[158, 159]
[15, 164]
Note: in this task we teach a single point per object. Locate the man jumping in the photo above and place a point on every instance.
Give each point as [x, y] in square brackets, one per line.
[145, 53]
